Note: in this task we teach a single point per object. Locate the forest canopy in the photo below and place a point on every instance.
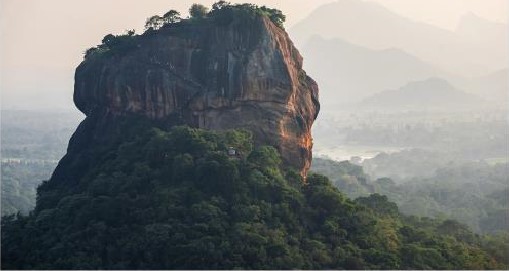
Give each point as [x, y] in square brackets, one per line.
[176, 199]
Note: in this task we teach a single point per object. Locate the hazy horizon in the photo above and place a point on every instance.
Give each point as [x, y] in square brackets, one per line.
[209, 142]
[43, 41]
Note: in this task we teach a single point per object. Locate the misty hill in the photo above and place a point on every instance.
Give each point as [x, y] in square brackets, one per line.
[348, 72]
[493, 87]
[432, 93]
[374, 26]
[470, 192]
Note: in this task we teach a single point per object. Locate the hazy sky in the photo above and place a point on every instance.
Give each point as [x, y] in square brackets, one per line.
[42, 41]
[446, 13]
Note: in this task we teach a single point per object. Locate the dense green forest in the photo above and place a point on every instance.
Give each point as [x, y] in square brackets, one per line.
[474, 193]
[141, 195]
[415, 164]
[19, 184]
[175, 199]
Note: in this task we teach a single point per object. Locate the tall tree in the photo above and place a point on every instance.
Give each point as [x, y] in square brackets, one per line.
[155, 22]
[171, 17]
[198, 11]
[219, 5]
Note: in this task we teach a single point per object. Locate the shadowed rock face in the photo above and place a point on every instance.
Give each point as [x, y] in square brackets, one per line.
[246, 74]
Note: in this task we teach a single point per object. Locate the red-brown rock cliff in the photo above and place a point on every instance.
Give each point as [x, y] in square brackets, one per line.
[245, 74]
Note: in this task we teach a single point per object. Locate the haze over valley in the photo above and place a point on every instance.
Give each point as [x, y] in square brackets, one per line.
[413, 108]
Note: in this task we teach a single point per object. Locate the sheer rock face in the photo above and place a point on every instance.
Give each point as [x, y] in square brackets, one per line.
[246, 74]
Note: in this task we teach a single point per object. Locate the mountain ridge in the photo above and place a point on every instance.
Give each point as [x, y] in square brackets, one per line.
[431, 93]
[356, 21]
[342, 68]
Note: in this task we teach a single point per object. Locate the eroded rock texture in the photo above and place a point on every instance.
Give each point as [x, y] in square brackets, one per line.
[246, 74]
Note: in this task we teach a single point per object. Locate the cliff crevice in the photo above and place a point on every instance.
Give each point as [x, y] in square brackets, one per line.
[239, 75]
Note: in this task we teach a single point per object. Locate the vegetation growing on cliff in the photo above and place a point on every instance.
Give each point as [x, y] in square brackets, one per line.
[128, 195]
[176, 200]
[113, 45]
[222, 13]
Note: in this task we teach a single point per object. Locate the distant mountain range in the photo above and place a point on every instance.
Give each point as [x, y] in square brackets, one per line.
[355, 49]
[493, 87]
[348, 73]
[432, 93]
[476, 48]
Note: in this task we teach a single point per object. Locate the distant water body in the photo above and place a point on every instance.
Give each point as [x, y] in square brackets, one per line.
[346, 152]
